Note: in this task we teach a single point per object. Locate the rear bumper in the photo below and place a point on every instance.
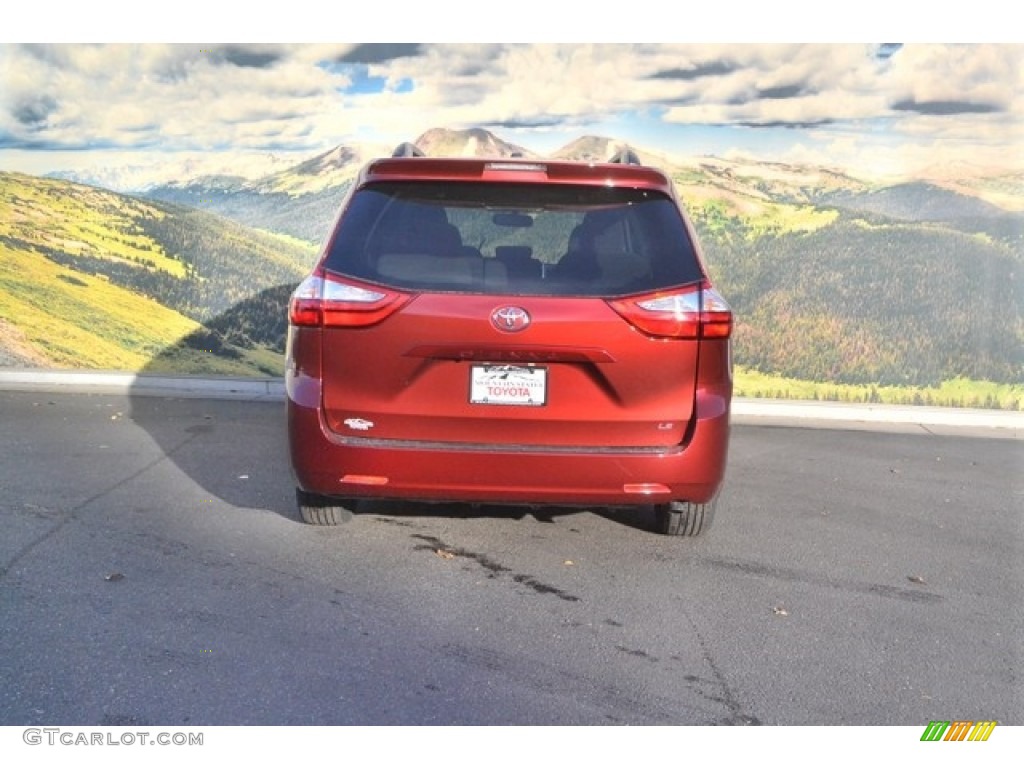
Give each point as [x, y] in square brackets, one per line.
[329, 464]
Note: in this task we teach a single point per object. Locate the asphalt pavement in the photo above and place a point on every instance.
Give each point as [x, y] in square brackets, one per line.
[153, 571]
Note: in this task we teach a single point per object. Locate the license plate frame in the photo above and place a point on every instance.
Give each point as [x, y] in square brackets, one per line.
[503, 384]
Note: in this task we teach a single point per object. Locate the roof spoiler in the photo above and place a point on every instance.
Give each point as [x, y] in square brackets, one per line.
[408, 149]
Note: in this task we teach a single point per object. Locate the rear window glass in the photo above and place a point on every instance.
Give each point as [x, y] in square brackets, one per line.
[513, 239]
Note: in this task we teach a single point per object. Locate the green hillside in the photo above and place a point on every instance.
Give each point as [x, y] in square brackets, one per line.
[93, 279]
[306, 217]
[870, 302]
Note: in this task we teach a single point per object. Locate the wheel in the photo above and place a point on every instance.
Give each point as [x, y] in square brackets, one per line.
[684, 518]
[323, 510]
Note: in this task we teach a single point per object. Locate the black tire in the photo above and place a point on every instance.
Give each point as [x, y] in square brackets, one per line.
[684, 518]
[323, 510]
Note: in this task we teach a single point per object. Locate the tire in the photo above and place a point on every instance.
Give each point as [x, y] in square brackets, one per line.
[323, 510]
[684, 518]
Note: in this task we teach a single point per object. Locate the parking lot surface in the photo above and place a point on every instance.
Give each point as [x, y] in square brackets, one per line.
[153, 571]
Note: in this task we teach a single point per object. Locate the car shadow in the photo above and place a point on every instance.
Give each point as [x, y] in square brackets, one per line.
[235, 448]
[641, 517]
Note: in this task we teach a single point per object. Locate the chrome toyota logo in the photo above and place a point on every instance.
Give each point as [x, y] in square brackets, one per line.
[510, 319]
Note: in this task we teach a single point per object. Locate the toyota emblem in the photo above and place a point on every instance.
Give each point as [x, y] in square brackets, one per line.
[510, 319]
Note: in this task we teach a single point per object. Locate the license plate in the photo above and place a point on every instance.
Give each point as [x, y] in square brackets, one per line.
[508, 385]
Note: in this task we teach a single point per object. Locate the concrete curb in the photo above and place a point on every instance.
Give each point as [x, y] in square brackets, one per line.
[913, 419]
[142, 384]
[891, 418]
[879, 414]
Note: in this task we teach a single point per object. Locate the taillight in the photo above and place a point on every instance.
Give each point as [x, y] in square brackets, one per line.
[329, 302]
[697, 312]
[304, 306]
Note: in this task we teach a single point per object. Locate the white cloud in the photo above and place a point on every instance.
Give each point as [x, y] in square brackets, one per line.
[953, 73]
[170, 96]
[922, 99]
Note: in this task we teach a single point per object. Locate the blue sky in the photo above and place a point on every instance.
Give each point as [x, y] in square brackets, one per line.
[871, 108]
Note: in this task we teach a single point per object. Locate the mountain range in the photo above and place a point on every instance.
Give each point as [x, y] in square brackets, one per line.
[302, 199]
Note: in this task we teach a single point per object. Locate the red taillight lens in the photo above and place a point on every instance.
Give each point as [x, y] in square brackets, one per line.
[692, 313]
[304, 306]
[329, 302]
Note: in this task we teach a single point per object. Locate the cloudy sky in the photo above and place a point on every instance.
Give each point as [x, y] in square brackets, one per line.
[871, 108]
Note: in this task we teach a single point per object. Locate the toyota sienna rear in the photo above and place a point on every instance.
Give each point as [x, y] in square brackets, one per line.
[510, 331]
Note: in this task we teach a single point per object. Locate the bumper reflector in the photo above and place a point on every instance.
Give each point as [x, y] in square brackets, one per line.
[645, 489]
[364, 479]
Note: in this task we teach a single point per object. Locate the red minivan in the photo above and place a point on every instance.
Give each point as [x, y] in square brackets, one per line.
[510, 331]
